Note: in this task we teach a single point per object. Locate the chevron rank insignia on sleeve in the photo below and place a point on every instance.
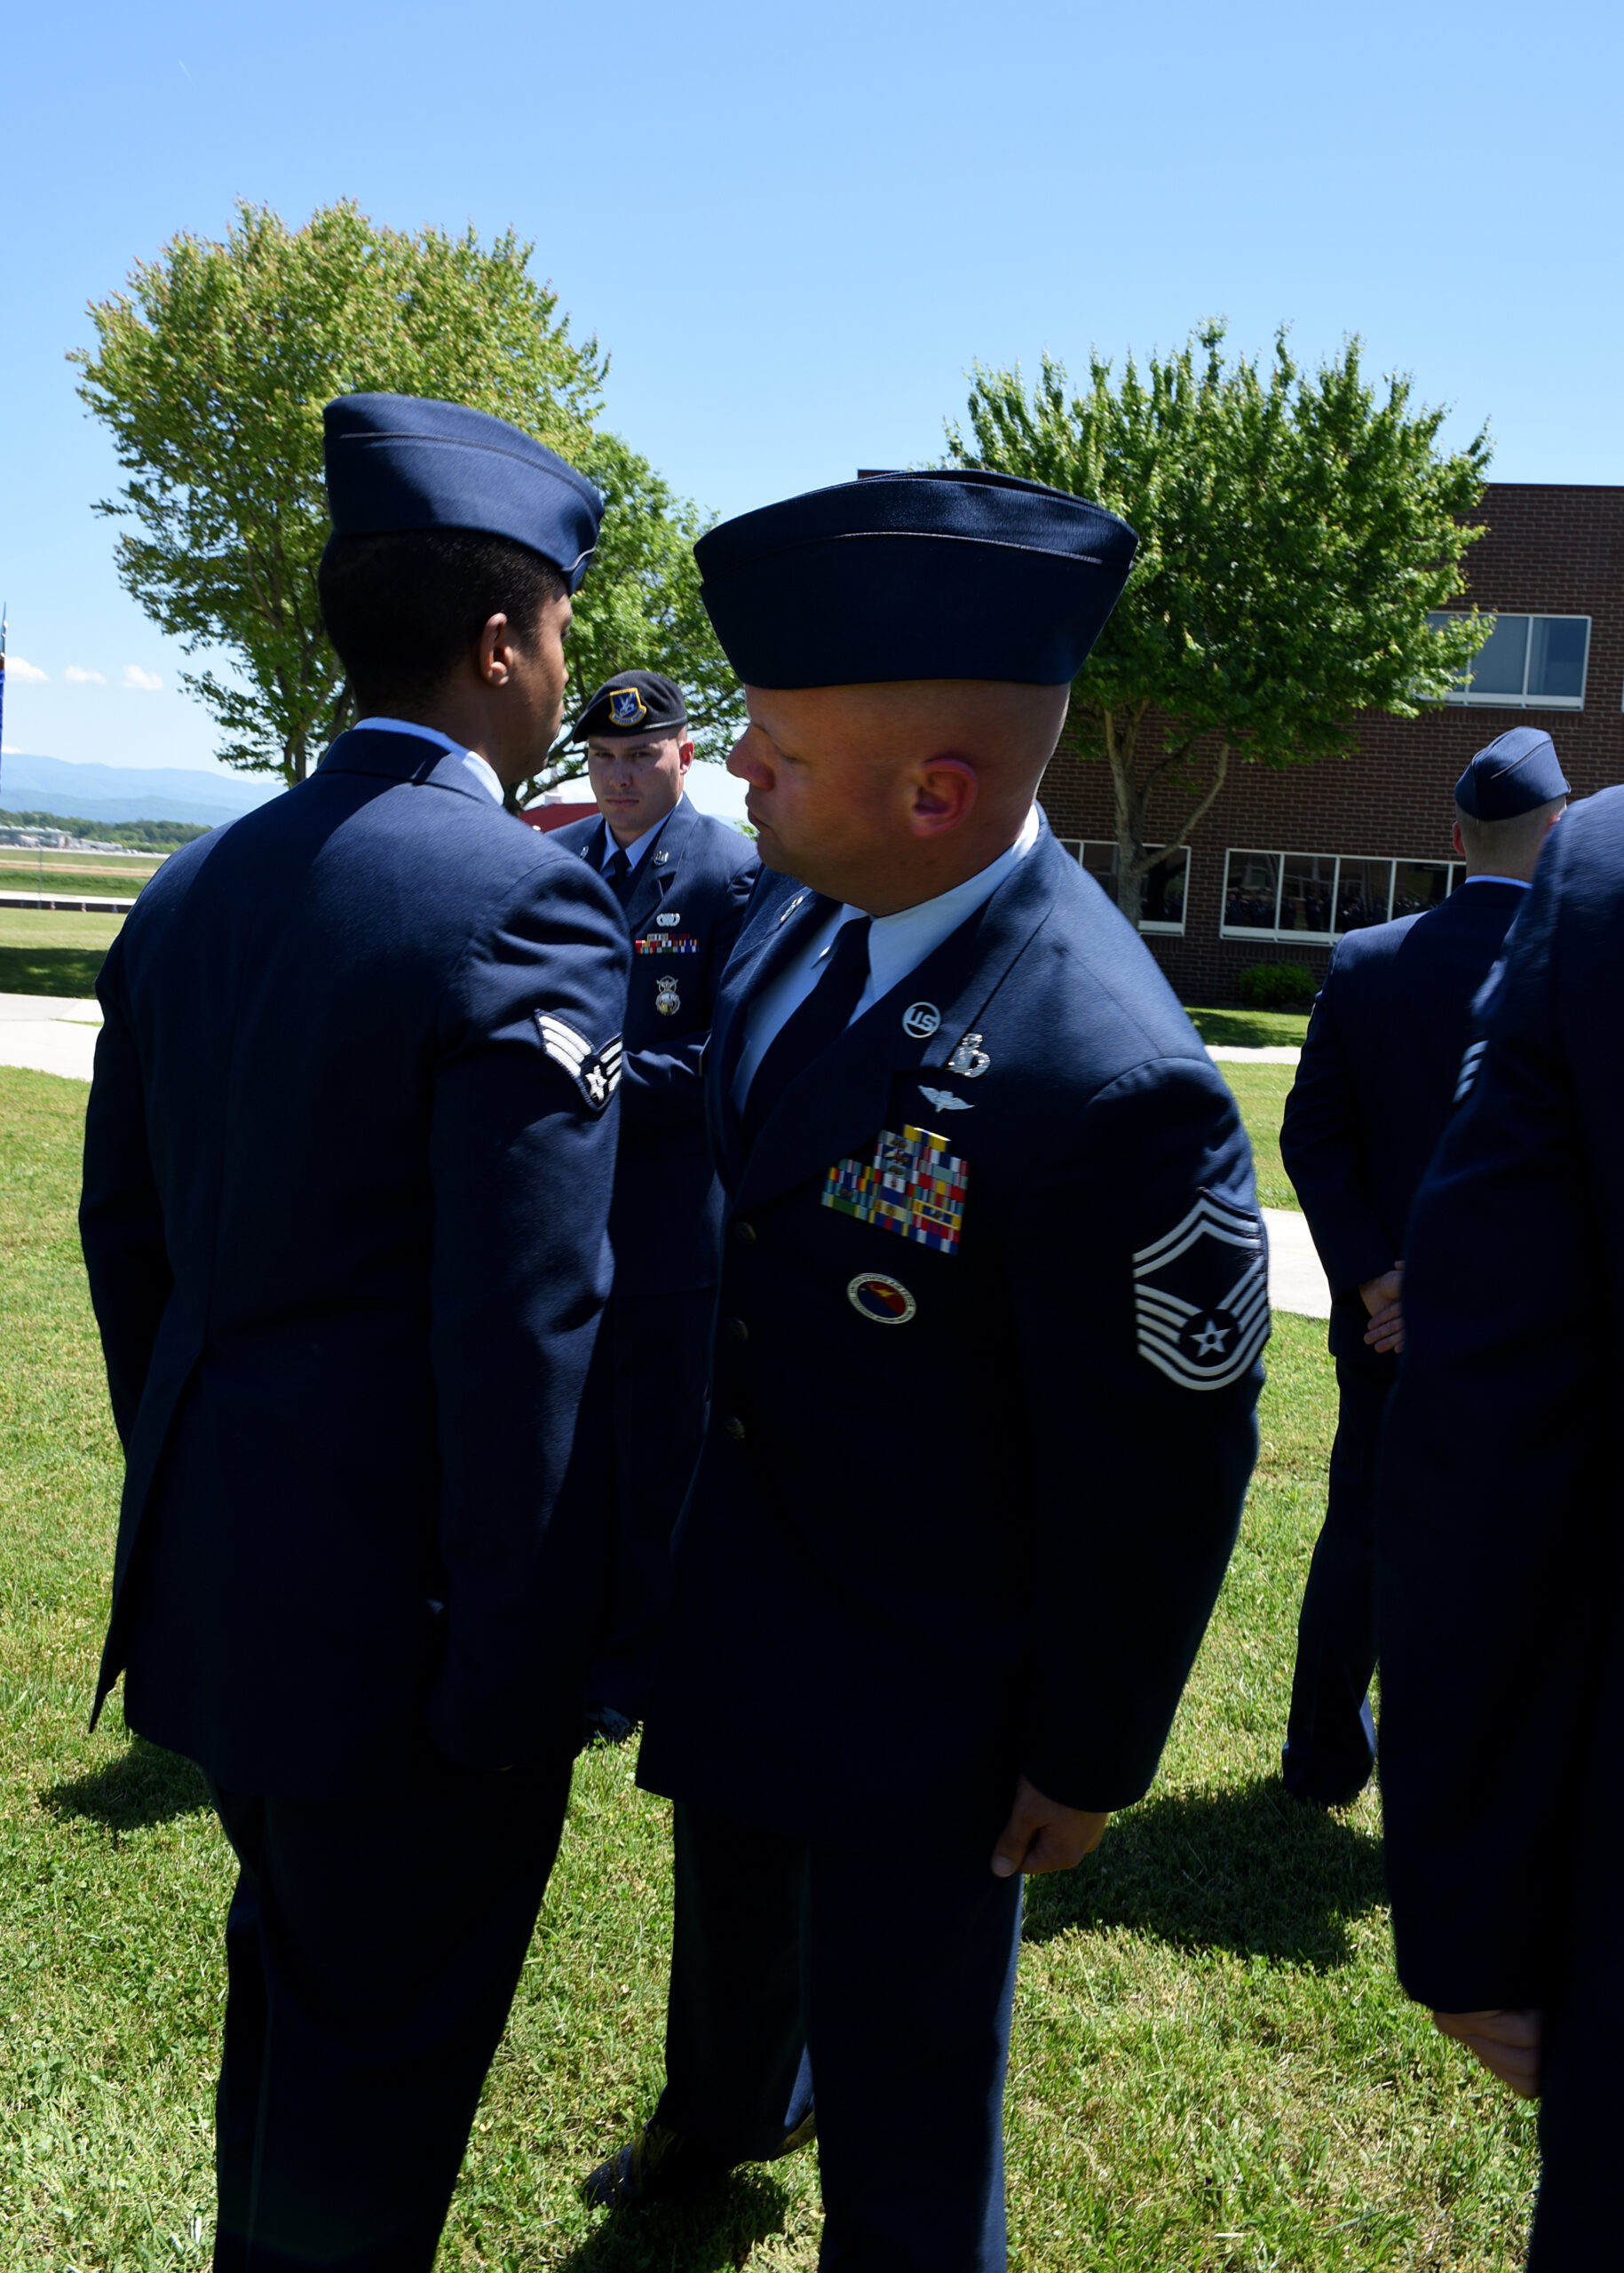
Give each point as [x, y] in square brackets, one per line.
[595, 1073]
[1201, 1295]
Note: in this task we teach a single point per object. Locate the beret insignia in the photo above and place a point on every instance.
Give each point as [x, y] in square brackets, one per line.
[627, 706]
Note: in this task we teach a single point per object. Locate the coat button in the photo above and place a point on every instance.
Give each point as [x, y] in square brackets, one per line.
[744, 1234]
[737, 1330]
[733, 1429]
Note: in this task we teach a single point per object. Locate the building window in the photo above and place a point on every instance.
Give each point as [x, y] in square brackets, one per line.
[1289, 896]
[1161, 903]
[1528, 663]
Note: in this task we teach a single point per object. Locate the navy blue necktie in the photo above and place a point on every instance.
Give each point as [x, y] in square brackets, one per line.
[815, 1026]
[618, 876]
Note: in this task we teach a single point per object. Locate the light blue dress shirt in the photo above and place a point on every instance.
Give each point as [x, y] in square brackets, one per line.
[482, 770]
[897, 945]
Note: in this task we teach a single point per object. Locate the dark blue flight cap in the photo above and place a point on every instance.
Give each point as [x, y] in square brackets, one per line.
[958, 574]
[632, 702]
[1518, 771]
[399, 462]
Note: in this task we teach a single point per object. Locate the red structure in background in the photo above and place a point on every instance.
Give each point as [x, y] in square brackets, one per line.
[1286, 861]
[551, 817]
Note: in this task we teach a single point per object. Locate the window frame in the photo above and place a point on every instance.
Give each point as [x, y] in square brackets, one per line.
[1463, 698]
[1077, 846]
[1275, 936]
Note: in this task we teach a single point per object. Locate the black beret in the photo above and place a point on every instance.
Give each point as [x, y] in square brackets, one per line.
[632, 702]
[957, 575]
[400, 462]
[1518, 771]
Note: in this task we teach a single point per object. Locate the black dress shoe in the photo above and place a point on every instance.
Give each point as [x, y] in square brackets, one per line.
[607, 1725]
[662, 2166]
[659, 2165]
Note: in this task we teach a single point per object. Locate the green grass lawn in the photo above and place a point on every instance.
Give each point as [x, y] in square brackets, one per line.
[1250, 1029]
[1260, 1092]
[1213, 2066]
[44, 952]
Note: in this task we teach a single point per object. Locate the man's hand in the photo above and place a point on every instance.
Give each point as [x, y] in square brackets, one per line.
[1507, 2043]
[1380, 1297]
[1042, 1835]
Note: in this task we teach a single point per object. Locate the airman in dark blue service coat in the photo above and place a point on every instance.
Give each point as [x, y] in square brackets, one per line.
[683, 879]
[990, 1247]
[1499, 1516]
[1379, 1069]
[347, 1176]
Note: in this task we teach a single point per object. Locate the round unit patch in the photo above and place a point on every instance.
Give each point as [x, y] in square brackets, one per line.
[885, 1300]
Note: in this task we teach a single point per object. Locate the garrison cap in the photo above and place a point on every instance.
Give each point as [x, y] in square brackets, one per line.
[1518, 771]
[954, 575]
[400, 461]
[633, 703]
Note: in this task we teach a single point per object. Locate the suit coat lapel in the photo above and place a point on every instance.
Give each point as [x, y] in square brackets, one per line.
[756, 961]
[839, 1103]
[653, 877]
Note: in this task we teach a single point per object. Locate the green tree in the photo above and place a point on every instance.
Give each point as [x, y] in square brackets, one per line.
[1294, 534]
[210, 372]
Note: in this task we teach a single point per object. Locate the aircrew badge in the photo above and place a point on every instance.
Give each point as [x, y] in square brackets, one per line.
[665, 998]
[1201, 1295]
[626, 706]
[914, 1186]
[595, 1073]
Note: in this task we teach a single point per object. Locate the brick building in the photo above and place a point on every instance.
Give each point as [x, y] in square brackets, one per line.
[1285, 861]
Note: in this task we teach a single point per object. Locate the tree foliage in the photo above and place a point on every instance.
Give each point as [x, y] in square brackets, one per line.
[1293, 534]
[210, 372]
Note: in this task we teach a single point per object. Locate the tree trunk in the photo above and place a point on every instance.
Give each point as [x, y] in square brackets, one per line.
[1132, 788]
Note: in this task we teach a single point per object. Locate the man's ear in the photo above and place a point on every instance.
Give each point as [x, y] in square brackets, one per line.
[493, 652]
[685, 752]
[945, 791]
[1458, 840]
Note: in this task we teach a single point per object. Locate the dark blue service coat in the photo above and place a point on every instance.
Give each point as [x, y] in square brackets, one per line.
[1377, 1081]
[344, 1217]
[1500, 1599]
[969, 1486]
[688, 897]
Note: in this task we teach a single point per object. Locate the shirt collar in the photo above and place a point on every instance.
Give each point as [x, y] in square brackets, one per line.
[483, 771]
[1521, 883]
[639, 845]
[898, 944]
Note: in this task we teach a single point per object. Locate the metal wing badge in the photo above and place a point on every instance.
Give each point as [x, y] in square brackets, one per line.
[1201, 1295]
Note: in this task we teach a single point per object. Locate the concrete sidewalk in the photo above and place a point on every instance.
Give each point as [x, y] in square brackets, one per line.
[50, 1033]
[1295, 1280]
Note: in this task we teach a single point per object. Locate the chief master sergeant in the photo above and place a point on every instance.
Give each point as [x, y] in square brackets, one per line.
[1379, 1069]
[683, 879]
[992, 1249]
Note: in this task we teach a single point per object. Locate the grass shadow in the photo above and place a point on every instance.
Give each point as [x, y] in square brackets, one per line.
[145, 1785]
[1249, 1871]
[49, 970]
[715, 2232]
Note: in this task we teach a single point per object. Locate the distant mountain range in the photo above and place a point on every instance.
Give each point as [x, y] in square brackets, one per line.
[90, 792]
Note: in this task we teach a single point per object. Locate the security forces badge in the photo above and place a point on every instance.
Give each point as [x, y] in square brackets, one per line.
[1201, 1295]
[626, 706]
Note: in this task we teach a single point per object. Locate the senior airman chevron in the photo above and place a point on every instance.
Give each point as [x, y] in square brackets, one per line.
[912, 1186]
[596, 1073]
[1201, 1295]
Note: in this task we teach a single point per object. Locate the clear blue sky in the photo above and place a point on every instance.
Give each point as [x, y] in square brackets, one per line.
[795, 229]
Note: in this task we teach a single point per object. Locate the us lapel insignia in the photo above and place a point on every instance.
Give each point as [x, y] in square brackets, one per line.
[666, 997]
[595, 1073]
[969, 1059]
[912, 1186]
[788, 912]
[920, 1020]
